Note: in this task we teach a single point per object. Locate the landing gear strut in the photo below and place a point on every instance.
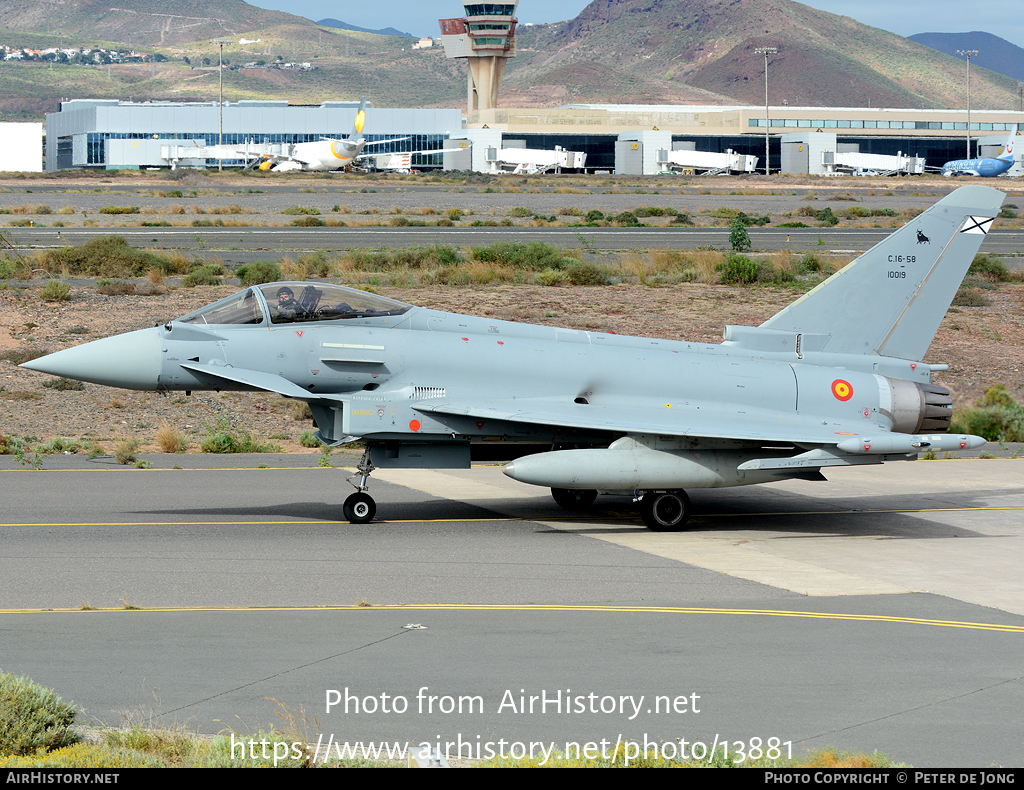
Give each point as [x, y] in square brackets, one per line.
[665, 511]
[360, 508]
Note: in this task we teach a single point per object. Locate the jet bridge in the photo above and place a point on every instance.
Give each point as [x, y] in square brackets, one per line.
[197, 155]
[706, 162]
[844, 163]
[531, 160]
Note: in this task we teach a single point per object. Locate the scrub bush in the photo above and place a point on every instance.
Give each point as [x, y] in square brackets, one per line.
[107, 256]
[258, 272]
[32, 717]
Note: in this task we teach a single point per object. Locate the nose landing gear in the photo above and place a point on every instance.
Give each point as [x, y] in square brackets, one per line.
[360, 508]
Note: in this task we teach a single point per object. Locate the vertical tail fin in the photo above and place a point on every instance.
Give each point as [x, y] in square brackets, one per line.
[360, 119]
[891, 299]
[1007, 152]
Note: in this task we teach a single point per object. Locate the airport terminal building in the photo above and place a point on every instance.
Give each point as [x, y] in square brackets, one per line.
[111, 134]
[626, 139]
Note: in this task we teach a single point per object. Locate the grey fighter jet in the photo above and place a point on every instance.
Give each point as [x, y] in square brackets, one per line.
[835, 379]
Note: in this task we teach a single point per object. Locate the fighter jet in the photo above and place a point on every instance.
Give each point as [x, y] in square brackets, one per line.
[988, 167]
[835, 379]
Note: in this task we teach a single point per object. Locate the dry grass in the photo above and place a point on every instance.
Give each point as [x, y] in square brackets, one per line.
[170, 440]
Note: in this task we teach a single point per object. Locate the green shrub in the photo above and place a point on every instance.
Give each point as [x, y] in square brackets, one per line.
[300, 210]
[997, 396]
[594, 215]
[258, 272]
[308, 439]
[55, 291]
[585, 272]
[763, 219]
[126, 451]
[627, 219]
[308, 222]
[107, 256]
[826, 217]
[523, 211]
[550, 277]
[989, 266]
[738, 269]
[993, 423]
[205, 274]
[222, 440]
[738, 236]
[534, 256]
[32, 717]
[119, 210]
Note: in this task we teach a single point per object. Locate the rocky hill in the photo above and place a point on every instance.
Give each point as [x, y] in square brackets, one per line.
[141, 23]
[994, 53]
[615, 51]
[655, 50]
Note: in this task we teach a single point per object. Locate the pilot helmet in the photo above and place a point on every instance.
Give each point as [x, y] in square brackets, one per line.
[284, 291]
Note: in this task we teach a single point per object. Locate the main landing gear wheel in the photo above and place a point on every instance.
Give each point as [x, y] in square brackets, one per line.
[359, 508]
[665, 511]
[574, 498]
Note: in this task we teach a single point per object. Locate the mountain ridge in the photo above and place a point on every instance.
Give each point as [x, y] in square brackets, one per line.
[994, 53]
[615, 51]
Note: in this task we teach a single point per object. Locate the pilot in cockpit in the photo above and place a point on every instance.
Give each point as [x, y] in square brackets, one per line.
[287, 309]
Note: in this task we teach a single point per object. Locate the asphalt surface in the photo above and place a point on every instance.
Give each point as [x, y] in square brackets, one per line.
[261, 243]
[882, 610]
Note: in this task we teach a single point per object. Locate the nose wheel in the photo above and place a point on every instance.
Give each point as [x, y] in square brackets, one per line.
[360, 508]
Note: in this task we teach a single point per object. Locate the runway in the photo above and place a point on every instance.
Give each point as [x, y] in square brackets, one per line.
[881, 610]
[255, 243]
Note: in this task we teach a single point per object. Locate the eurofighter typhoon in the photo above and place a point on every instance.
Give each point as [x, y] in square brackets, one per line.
[835, 379]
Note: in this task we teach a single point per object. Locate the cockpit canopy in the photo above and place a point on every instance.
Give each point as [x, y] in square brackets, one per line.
[295, 302]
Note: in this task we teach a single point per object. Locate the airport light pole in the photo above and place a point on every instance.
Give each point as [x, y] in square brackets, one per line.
[968, 53]
[766, 51]
[220, 101]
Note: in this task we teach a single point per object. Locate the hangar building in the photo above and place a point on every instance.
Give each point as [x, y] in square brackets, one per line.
[623, 139]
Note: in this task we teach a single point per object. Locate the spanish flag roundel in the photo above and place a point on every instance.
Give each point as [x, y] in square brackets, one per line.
[842, 389]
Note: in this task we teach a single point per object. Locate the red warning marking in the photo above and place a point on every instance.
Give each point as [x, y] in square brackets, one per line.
[466, 339]
[843, 390]
[963, 445]
[299, 332]
[501, 342]
[913, 366]
[414, 425]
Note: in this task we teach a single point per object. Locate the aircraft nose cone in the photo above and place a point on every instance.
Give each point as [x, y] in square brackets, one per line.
[130, 361]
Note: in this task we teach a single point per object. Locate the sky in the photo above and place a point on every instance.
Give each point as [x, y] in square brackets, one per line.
[999, 17]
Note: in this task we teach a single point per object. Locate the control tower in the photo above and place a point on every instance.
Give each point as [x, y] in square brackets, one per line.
[486, 37]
